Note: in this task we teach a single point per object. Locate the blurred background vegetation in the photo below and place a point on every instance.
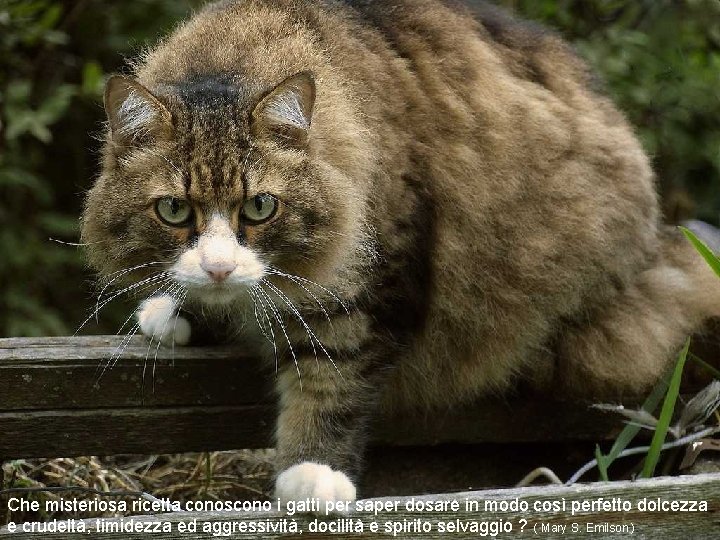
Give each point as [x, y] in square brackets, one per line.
[660, 60]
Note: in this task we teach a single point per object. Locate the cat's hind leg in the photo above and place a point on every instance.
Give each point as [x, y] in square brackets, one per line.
[624, 346]
[159, 320]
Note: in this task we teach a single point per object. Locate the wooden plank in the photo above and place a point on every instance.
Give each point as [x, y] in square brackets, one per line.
[88, 347]
[50, 404]
[56, 341]
[66, 433]
[698, 525]
[106, 431]
[62, 373]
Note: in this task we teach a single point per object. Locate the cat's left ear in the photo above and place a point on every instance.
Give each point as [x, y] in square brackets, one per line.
[285, 113]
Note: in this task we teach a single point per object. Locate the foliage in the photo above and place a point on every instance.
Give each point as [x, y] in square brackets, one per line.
[668, 386]
[630, 430]
[666, 414]
[53, 58]
[710, 258]
[659, 58]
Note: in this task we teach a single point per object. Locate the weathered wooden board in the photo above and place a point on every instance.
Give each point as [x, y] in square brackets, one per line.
[650, 525]
[51, 404]
[103, 431]
[67, 373]
[99, 432]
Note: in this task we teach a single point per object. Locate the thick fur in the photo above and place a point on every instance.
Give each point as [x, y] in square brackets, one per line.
[483, 213]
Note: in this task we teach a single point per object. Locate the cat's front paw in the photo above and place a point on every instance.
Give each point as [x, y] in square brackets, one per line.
[158, 321]
[315, 481]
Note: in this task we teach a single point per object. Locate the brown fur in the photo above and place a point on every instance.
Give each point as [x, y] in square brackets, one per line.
[484, 213]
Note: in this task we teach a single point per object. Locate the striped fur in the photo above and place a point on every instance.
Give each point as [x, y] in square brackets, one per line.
[460, 209]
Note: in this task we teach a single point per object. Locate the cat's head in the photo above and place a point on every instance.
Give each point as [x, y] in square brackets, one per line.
[220, 184]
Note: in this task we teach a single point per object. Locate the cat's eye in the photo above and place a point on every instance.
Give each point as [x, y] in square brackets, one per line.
[259, 208]
[175, 212]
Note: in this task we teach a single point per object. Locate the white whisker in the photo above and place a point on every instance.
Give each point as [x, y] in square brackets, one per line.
[129, 288]
[311, 294]
[267, 318]
[114, 357]
[180, 290]
[117, 353]
[175, 287]
[308, 330]
[121, 273]
[177, 315]
[278, 318]
[135, 311]
[311, 282]
[261, 325]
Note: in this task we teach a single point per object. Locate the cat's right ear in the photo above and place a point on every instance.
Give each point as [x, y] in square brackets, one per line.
[134, 113]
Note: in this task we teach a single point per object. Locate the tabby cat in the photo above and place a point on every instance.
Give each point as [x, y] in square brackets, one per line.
[401, 203]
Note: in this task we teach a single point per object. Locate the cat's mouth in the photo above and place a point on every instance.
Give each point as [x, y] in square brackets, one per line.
[217, 293]
[201, 288]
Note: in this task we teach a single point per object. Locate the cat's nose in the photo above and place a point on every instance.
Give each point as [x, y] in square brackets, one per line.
[218, 272]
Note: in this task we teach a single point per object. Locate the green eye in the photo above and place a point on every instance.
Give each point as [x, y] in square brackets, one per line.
[172, 211]
[260, 208]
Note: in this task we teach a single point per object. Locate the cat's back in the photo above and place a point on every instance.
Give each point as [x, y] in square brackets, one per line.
[254, 36]
[529, 50]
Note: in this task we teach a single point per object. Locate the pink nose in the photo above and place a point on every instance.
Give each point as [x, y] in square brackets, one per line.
[218, 271]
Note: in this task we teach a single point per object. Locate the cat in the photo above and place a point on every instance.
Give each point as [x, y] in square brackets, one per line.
[397, 204]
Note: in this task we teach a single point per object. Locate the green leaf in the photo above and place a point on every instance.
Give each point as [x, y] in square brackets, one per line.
[15, 177]
[61, 224]
[630, 431]
[602, 464]
[666, 414]
[705, 251]
[21, 119]
[92, 79]
[51, 17]
[56, 104]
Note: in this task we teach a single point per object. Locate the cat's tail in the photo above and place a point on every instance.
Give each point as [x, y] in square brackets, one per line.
[632, 340]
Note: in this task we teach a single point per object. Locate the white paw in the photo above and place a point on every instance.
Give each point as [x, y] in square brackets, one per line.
[312, 480]
[158, 321]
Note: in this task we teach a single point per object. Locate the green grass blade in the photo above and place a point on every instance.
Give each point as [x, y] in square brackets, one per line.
[602, 464]
[666, 414]
[705, 251]
[630, 431]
